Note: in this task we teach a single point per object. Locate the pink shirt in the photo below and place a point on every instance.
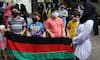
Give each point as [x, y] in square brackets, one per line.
[55, 26]
[7, 13]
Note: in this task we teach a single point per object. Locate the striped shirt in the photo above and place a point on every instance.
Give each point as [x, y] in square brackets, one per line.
[16, 24]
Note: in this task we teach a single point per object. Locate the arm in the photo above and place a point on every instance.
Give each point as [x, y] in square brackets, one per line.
[51, 34]
[46, 24]
[9, 24]
[63, 30]
[85, 34]
[64, 33]
[24, 27]
[65, 14]
[24, 30]
[44, 34]
[68, 31]
[28, 34]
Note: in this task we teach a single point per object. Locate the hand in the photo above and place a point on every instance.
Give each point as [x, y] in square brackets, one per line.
[21, 33]
[71, 45]
[28, 35]
[60, 15]
[7, 30]
[64, 36]
[44, 35]
[52, 35]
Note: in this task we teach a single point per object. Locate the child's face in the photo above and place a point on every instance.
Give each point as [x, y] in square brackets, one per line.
[36, 17]
[76, 18]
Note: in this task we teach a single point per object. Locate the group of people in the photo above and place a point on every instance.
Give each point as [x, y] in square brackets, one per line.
[54, 23]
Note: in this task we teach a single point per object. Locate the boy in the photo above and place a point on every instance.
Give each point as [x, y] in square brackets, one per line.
[36, 28]
[54, 25]
[16, 24]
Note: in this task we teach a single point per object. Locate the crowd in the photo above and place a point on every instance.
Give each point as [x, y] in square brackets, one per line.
[75, 23]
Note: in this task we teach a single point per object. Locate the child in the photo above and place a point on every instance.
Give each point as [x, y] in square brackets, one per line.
[54, 25]
[36, 28]
[72, 26]
[3, 42]
[16, 24]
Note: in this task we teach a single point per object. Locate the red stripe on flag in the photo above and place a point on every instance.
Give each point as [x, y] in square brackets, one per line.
[35, 48]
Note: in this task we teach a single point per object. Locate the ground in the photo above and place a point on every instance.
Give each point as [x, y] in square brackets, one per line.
[95, 55]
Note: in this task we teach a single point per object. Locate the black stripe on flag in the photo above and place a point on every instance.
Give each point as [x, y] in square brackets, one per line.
[37, 40]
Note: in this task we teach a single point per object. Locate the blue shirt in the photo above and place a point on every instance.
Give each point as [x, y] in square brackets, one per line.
[36, 29]
[64, 17]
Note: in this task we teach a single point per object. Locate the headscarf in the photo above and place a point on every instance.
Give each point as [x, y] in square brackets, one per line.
[89, 12]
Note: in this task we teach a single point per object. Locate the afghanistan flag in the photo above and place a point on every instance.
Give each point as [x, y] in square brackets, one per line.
[33, 48]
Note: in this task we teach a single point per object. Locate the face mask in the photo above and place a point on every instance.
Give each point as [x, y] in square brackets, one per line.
[14, 14]
[81, 12]
[35, 19]
[55, 14]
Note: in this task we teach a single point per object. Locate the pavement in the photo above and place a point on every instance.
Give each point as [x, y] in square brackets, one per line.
[95, 55]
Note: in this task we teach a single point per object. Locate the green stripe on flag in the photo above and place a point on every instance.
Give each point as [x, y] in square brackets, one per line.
[42, 56]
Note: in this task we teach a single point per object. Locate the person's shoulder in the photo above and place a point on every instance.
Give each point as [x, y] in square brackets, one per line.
[70, 21]
[90, 21]
[78, 21]
[40, 23]
[60, 19]
[48, 20]
[21, 18]
[65, 10]
[30, 23]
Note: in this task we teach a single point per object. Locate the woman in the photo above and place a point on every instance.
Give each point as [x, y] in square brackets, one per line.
[23, 12]
[7, 13]
[82, 40]
[3, 43]
[43, 15]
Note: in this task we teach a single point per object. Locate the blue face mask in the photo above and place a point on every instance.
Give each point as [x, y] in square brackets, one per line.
[81, 12]
[55, 14]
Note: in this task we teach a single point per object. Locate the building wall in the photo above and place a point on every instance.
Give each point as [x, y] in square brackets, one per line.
[27, 3]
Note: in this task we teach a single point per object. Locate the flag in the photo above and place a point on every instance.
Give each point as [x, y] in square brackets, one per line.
[34, 48]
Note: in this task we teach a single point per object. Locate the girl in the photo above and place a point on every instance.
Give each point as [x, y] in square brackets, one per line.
[3, 42]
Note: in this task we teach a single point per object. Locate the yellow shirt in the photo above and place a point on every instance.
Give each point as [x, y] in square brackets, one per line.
[49, 12]
[71, 28]
[47, 1]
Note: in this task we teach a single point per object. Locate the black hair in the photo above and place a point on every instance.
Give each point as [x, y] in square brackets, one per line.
[76, 13]
[15, 6]
[89, 12]
[23, 8]
[1, 4]
[41, 7]
[36, 13]
[53, 9]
